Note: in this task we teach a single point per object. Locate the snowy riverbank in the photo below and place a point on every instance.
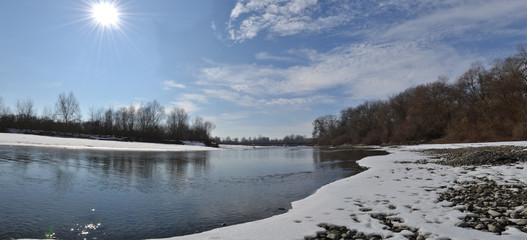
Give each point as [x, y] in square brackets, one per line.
[396, 185]
[15, 139]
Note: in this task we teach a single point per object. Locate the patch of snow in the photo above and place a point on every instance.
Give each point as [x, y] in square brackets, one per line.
[13, 139]
[394, 184]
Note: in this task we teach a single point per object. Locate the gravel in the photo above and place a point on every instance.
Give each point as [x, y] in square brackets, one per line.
[479, 156]
[489, 206]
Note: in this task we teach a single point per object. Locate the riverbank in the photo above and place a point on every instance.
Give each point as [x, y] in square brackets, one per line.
[15, 139]
[405, 195]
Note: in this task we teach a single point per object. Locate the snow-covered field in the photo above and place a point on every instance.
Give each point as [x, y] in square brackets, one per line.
[389, 186]
[14, 139]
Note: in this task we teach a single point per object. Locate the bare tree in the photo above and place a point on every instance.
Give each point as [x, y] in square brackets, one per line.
[48, 113]
[96, 115]
[201, 129]
[132, 118]
[4, 110]
[149, 118]
[324, 129]
[522, 56]
[24, 109]
[177, 124]
[67, 108]
[108, 123]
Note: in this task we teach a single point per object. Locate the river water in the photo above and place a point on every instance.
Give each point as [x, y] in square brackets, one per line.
[89, 194]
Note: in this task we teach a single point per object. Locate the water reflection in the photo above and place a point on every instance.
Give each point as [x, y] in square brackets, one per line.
[342, 158]
[135, 195]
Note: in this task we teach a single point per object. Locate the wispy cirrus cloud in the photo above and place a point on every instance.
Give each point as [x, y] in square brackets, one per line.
[189, 106]
[169, 84]
[362, 70]
[268, 56]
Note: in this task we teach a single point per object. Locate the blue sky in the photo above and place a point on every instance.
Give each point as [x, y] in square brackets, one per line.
[252, 67]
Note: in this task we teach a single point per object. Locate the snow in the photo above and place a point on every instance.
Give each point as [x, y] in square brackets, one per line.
[405, 186]
[14, 139]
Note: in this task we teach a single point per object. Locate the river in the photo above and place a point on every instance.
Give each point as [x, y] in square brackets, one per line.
[78, 194]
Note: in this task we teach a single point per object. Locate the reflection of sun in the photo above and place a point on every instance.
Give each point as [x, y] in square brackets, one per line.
[106, 14]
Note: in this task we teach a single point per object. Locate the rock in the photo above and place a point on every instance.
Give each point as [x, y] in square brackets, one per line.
[464, 224]
[522, 222]
[504, 221]
[480, 226]
[495, 228]
[407, 233]
[494, 213]
[333, 236]
[487, 220]
[322, 225]
[420, 237]
[365, 209]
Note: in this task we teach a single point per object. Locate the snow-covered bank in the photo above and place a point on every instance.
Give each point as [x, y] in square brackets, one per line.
[13, 139]
[395, 185]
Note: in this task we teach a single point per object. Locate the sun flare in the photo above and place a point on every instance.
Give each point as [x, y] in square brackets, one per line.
[105, 14]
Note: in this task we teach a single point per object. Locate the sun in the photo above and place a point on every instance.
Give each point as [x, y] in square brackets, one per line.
[105, 14]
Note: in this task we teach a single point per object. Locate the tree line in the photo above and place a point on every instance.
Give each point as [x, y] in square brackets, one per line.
[483, 104]
[146, 122]
[289, 140]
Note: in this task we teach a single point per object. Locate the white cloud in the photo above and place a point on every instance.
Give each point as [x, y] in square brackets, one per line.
[281, 17]
[484, 18]
[364, 71]
[299, 101]
[267, 56]
[194, 97]
[169, 84]
[405, 43]
[234, 97]
[189, 106]
[402, 18]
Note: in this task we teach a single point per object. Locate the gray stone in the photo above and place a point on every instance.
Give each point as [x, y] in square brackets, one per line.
[495, 228]
[503, 221]
[522, 222]
[494, 213]
[481, 226]
[464, 224]
[487, 220]
[333, 236]
[365, 209]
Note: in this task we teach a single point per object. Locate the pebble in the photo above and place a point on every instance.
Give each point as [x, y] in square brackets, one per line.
[522, 222]
[494, 213]
[489, 206]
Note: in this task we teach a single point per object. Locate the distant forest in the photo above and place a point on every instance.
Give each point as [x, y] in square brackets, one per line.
[148, 122]
[483, 104]
[289, 140]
